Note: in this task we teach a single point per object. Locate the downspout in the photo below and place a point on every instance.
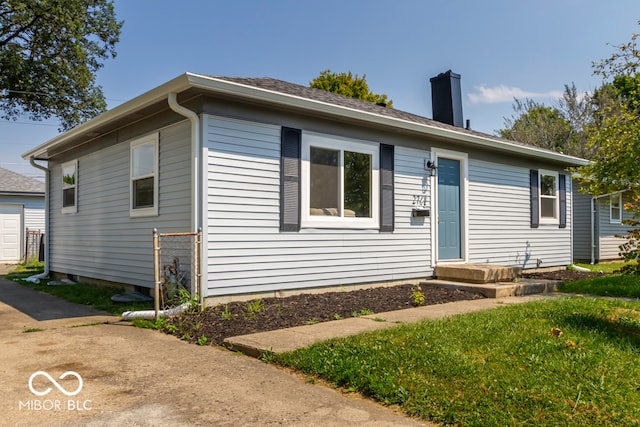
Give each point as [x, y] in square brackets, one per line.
[195, 168]
[47, 231]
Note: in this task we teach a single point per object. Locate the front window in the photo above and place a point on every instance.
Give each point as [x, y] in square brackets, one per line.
[340, 182]
[69, 186]
[615, 208]
[548, 196]
[144, 182]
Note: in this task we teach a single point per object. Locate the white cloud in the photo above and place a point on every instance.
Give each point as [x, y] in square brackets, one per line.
[502, 93]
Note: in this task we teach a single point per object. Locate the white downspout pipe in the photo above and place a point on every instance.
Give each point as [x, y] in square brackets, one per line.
[195, 167]
[47, 231]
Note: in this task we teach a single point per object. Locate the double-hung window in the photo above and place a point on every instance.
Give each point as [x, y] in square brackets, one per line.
[548, 197]
[70, 187]
[340, 183]
[144, 176]
[615, 208]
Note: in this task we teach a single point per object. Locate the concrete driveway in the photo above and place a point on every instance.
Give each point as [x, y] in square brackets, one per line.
[125, 376]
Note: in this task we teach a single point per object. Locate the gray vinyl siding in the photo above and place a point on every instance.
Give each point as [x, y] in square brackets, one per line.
[102, 241]
[581, 226]
[499, 220]
[247, 252]
[608, 240]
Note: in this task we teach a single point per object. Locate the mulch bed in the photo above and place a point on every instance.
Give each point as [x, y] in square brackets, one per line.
[238, 318]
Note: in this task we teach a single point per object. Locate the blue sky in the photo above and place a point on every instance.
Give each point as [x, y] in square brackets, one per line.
[502, 49]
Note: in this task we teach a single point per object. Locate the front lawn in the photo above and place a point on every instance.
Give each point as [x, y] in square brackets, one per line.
[561, 361]
[626, 286]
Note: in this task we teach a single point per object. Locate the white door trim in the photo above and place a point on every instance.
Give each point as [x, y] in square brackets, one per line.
[437, 153]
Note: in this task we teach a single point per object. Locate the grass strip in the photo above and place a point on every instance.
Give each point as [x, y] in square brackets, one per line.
[560, 361]
[99, 297]
[622, 286]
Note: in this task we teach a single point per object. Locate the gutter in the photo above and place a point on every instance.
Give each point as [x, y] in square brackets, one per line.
[220, 86]
[195, 167]
[47, 230]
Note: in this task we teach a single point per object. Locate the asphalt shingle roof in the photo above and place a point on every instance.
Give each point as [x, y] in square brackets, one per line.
[13, 182]
[281, 86]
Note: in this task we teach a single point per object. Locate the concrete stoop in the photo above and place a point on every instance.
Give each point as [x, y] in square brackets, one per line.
[476, 273]
[518, 287]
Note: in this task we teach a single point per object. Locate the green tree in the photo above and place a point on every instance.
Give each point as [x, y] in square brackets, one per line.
[563, 128]
[348, 85]
[50, 51]
[615, 137]
[538, 125]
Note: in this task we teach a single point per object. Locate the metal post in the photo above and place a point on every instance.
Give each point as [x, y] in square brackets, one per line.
[156, 272]
[198, 266]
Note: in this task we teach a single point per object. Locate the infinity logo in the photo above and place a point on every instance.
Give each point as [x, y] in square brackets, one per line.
[58, 386]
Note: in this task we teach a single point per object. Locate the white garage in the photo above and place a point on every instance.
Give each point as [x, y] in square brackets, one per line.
[10, 233]
[21, 214]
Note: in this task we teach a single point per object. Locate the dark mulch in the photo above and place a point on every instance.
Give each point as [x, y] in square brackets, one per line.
[564, 275]
[237, 318]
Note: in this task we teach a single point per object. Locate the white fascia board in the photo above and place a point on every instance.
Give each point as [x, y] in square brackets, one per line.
[252, 92]
[216, 85]
[178, 84]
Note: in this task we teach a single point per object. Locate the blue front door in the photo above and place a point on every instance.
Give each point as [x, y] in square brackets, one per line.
[449, 246]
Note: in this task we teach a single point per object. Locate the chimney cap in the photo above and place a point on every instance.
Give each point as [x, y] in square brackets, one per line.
[446, 74]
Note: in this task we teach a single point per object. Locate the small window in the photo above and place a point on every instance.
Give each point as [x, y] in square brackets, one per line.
[340, 182]
[144, 179]
[548, 197]
[69, 187]
[615, 208]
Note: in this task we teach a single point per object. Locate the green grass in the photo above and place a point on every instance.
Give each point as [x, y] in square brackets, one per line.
[98, 297]
[605, 267]
[627, 286]
[507, 366]
[26, 269]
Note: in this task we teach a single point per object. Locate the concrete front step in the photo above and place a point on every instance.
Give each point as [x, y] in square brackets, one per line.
[476, 273]
[520, 287]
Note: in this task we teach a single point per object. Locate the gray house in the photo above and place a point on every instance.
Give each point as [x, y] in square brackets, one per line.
[296, 188]
[21, 209]
[598, 225]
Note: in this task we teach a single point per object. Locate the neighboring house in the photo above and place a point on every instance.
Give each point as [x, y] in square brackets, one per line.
[598, 236]
[298, 188]
[21, 209]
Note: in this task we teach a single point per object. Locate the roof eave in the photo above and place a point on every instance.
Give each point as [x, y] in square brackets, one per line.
[252, 92]
[177, 84]
[221, 86]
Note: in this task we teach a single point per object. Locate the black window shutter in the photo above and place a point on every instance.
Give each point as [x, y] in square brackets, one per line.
[535, 208]
[386, 188]
[562, 190]
[290, 179]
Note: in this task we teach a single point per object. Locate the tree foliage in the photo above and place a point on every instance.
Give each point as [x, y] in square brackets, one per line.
[562, 128]
[348, 85]
[615, 138]
[50, 51]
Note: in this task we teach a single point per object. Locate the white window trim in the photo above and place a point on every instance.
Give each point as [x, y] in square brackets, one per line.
[613, 220]
[69, 209]
[556, 214]
[307, 220]
[149, 211]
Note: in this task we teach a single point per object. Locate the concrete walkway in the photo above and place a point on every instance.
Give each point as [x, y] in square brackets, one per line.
[141, 377]
[285, 340]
